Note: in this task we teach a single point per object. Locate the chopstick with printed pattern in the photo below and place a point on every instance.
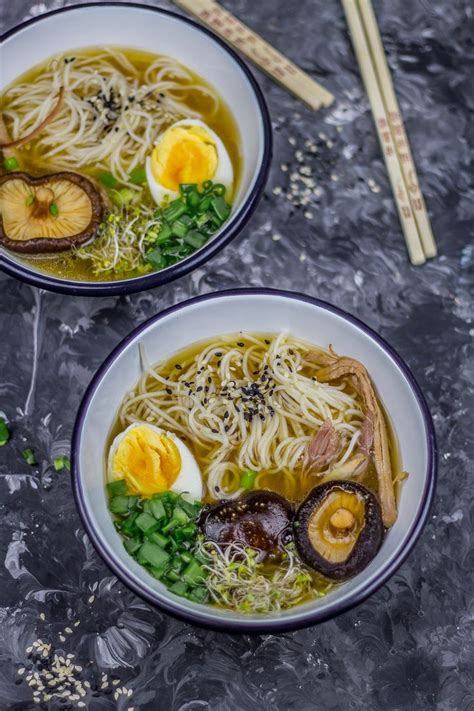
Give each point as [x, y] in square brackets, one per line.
[397, 128]
[255, 48]
[379, 112]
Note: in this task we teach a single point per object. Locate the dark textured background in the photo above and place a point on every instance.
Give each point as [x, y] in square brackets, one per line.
[411, 646]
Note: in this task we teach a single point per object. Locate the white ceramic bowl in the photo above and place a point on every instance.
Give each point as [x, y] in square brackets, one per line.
[155, 30]
[255, 310]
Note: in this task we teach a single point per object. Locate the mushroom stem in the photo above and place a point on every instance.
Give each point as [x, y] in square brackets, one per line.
[43, 200]
[342, 520]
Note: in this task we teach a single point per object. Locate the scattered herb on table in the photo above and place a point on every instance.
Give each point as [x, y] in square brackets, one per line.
[62, 462]
[29, 456]
[4, 432]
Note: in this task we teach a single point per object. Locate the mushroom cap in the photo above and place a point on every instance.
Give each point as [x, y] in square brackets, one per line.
[339, 528]
[48, 214]
[259, 519]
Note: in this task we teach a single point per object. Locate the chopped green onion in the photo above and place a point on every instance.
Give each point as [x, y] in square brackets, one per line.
[153, 554]
[30, 200]
[4, 432]
[247, 479]
[219, 189]
[193, 573]
[119, 504]
[157, 509]
[29, 456]
[132, 545]
[199, 594]
[207, 185]
[54, 209]
[195, 239]
[221, 208]
[117, 488]
[175, 210]
[156, 258]
[11, 163]
[181, 225]
[164, 234]
[138, 176]
[62, 462]
[122, 197]
[107, 179]
[145, 522]
[178, 588]
[159, 539]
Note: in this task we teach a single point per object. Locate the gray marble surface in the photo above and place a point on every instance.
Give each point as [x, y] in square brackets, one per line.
[411, 645]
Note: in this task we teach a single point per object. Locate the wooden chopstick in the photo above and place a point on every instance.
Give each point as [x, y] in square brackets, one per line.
[255, 48]
[405, 157]
[361, 48]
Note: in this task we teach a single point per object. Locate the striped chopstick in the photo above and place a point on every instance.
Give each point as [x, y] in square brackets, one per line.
[389, 135]
[398, 130]
[260, 52]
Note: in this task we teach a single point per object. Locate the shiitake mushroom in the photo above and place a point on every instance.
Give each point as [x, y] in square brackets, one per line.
[259, 519]
[48, 214]
[338, 528]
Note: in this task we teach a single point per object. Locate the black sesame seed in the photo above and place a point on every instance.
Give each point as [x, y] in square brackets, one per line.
[178, 366]
[169, 391]
[226, 428]
[267, 342]
[218, 355]
[214, 431]
[240, 344]
[199, 388]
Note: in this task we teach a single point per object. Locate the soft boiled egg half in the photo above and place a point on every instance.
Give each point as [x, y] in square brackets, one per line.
[151, 460]
[187, 152]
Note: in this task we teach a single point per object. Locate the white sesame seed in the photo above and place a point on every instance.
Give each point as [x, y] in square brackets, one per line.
[339, 129]
[116, 695]
[308, 215]
[130, 692]
[68, 630]
[276, 237]
[334, 177]
[277, 190]
[284, 167]
[21, 670]
[81, 704]
[329, 144]
[76, 624]
[91, 599]
[302, 259]
[42, 616]
[62, 638]
[292, 141]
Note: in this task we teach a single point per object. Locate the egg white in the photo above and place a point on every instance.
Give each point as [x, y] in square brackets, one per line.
[224, 172]
[189, 479]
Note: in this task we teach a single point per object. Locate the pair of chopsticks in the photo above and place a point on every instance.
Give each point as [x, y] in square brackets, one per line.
[260, 52]
[401, 169]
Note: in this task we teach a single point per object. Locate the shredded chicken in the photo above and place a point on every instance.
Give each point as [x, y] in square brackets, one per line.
[322, 449]
[335, 367]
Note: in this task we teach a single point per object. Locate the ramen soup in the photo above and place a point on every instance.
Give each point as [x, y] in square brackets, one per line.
[115, 163]
[253, 471]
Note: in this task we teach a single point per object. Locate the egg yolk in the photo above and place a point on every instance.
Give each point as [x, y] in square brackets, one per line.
[186, 154]
[149, 462]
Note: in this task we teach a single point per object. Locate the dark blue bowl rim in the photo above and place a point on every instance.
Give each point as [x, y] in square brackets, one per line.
[229, 232]
[266, 625]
